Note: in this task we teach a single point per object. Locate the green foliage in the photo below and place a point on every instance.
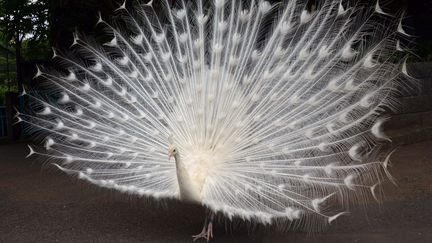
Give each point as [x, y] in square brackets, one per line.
[6, 87]
[24, 32]
[36, 49]
[7, 72]
[23, 19]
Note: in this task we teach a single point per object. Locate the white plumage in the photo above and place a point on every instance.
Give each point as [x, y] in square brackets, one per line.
[271, 111]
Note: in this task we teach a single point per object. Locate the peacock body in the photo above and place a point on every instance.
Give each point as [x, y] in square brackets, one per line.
[271, 112]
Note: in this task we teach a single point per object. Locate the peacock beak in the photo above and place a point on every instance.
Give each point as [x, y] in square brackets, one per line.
[170, 155]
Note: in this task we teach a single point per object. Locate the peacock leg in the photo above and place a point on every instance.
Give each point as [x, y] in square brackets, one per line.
[207, 231]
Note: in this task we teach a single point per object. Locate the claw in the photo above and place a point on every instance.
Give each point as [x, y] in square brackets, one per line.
[199, 236]
[206, 233]
[209, 231]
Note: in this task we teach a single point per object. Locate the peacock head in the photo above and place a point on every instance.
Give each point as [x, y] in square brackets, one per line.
[172, 151]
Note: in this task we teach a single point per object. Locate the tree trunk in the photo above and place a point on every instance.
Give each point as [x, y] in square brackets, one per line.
[18, 42]
[19, 75]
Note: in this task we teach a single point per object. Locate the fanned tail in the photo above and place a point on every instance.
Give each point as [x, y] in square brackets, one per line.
[282, 102]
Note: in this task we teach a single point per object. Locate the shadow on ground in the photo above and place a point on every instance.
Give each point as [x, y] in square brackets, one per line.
[40, 204]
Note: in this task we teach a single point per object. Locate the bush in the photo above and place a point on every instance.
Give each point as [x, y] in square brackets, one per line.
[4, 87]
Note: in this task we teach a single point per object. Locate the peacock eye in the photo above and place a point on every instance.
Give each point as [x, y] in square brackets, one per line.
[174, 150]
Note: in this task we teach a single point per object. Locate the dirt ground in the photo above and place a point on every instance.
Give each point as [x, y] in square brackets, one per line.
[40, 204]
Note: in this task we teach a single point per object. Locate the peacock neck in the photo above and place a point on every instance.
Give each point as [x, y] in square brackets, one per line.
[186, 188]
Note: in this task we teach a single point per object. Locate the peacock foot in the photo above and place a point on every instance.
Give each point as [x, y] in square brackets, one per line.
[206, 233]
